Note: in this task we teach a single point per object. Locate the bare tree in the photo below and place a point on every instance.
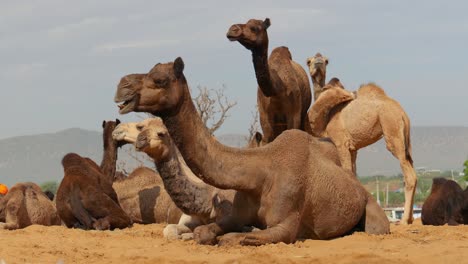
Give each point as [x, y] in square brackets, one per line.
[213, 106]
[254, 124]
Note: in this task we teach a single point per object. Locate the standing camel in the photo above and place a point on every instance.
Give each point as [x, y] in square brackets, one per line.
[362, 122]
[283, 95]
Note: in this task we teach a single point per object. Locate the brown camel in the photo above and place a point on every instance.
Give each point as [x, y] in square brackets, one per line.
[83, 202]
[286, 187]
[283, 94]
[362, 122]
[447, 204]
[24, 205]
[203, 203]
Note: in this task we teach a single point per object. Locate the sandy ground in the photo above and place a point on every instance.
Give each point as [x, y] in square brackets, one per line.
[145, 244]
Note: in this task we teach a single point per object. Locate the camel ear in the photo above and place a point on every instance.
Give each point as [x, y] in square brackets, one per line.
[103, 123]
[178, 67]
[258, 137]
[266, 23]
[326, 60]
[117, 121]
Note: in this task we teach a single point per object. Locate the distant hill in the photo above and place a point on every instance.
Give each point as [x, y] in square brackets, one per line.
[37, 158]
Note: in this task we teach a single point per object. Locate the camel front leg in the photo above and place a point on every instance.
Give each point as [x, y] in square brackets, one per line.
[285, 232]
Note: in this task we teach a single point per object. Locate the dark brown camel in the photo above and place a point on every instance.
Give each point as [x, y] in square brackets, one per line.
[24, 205]
[288, 188]
[283, 94]
[83, 202]
[447, 204]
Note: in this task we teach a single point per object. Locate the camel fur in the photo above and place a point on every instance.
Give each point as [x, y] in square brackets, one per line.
[287, 187]
[283, 94]
[447, 204]
[362, 122]
[24, 205]
[201, 203]
[81, 199]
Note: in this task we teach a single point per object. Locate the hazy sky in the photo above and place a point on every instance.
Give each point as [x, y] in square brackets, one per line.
[60, 61]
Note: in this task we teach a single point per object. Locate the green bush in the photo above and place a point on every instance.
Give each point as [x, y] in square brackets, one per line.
[50, 186]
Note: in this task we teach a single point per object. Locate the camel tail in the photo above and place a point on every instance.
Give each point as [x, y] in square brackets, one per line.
[407, 136]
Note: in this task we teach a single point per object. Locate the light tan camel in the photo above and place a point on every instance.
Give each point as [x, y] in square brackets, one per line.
[283, 94]
[287, 187]
[24, 205]
[362, 122]
[202, 203]
[318, 70]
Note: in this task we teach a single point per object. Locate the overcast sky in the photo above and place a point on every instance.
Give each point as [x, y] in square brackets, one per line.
[60, 61]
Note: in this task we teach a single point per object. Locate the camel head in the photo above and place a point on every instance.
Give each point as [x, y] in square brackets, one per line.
[108, 128]
[128, 132]
[318, 67]
[160, 91]
[334, 92]
[252, 35]
[154, 139]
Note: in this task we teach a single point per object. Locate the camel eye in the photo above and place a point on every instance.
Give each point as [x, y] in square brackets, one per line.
[161, 134]
[139, 127]
[253, 29]
[161, 82]
[308, 62]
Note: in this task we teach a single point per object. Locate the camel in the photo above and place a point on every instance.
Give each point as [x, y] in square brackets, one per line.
[286, 188]
[81, 199]
[24, 205]
[201, 203]
[447, 204]
[362, 122]
[318, 70]
[283, 94]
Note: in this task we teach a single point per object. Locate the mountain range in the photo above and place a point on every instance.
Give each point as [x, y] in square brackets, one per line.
[37, 157]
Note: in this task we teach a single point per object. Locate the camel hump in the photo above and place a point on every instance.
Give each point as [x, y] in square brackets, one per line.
[371, 89]
[281, 52]
[438, 181]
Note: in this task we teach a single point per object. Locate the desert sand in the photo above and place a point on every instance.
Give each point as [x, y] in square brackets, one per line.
[144, 244]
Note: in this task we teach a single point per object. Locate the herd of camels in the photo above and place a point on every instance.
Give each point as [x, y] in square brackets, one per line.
[296, 181]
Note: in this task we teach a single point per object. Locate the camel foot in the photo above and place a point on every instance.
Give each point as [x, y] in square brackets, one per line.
[176, 231]
[9, 226]
[231, 239]
[186, 236]
[101, 224]
[205, 235]
[252, 240]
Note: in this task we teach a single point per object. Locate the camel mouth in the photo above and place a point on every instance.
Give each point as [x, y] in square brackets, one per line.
[232, 38]
[127, 106]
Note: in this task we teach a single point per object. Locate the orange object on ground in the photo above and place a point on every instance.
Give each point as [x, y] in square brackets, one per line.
[3, 189]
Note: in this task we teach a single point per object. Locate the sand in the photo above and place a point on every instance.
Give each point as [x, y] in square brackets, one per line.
[144, 244]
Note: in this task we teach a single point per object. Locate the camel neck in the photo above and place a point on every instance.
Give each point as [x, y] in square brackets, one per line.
[215, 164]
[109, 158]
[319, 83]
[262, 72]
[191, 197]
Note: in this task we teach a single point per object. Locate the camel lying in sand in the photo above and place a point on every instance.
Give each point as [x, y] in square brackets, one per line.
[83, 200]
[447, 204]
[202, 203]
[287, 188]
[24, 205]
